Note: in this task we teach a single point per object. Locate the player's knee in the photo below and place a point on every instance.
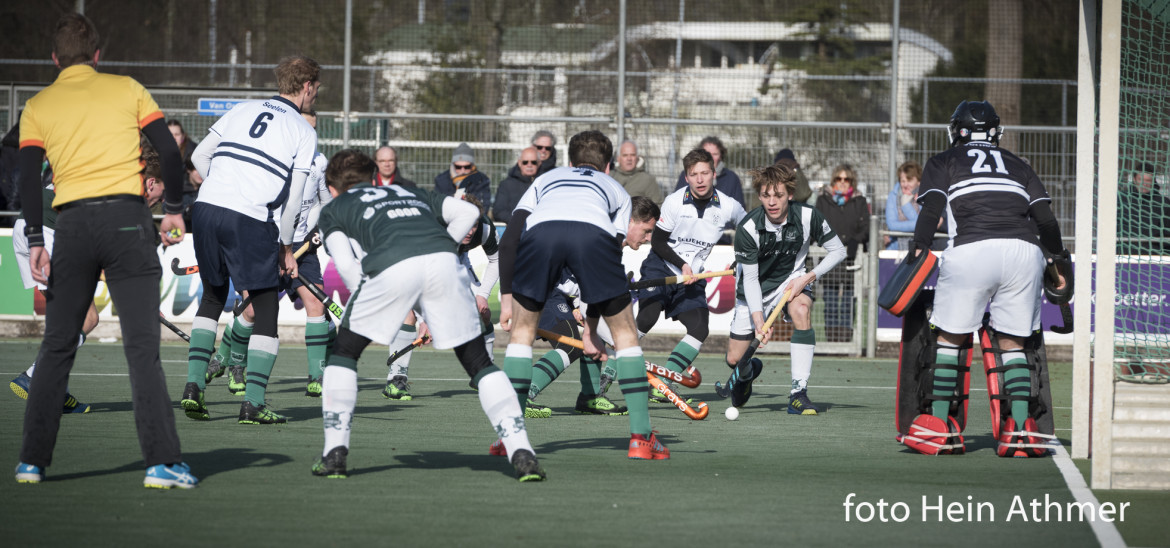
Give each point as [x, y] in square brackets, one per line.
[473, 356]
[349, 344]
[613, 306]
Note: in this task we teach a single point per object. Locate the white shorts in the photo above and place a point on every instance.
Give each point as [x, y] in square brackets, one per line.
[1006, 273]
[434, 284]
[741, 318]
[20, 247]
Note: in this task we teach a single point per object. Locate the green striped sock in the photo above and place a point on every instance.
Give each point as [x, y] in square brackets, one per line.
[590, 376]
[631, 370]
[1017, 382]
[261, 359]
[241, 335]
[223, 352]
[316, 344]
[546, 370]
[944, 379]
[518, 367]
[684, 354]
[198, 354]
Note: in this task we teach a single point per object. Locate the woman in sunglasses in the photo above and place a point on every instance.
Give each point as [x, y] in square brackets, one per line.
[847, 212]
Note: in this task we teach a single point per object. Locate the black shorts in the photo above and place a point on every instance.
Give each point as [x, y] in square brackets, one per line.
[557, 309]
[231, 244]
[676, 298]
[308, 271]
[590, 253]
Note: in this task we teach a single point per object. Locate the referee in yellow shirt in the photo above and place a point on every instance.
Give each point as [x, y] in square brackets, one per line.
[88, 124]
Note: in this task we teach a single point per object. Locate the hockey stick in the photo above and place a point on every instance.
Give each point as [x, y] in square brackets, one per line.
[743, 369]
[183, 270]
[690, 379]
[417, 343]
[163, 320]
[671, 280]
[311, 244]
[697, 413]
[333, 307]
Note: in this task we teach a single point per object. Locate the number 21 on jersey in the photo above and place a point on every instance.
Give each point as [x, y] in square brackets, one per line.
[982, 166]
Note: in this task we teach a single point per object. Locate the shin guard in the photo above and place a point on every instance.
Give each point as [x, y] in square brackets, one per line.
[916, 370]
[1032, 439]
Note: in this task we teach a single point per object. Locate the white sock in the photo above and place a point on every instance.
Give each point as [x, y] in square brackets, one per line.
[503, 411]
[401, 366]
[802, 358]
[338, 399]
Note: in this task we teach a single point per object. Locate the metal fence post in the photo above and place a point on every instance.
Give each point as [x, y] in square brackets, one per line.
[871, 288]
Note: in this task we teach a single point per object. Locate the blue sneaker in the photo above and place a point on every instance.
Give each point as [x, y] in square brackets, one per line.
[74, 406]
[166, 476]
[27, 473]
[20, 384]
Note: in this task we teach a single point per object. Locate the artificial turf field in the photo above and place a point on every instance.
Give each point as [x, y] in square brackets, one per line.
[420, 474]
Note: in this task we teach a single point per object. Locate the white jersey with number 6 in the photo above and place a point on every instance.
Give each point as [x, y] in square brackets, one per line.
[258, 145]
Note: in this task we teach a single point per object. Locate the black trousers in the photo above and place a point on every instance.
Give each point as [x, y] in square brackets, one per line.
[119, 238]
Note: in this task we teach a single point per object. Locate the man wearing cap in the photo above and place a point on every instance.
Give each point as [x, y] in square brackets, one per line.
[462, 178]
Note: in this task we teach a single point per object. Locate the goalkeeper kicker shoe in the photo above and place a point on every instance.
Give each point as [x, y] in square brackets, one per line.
[397, 388]
[799, 404]
[192, 403]
[527, 467]
[332, 465]
[497, 449]
[313, 389]
[598, 405]
[167, 476]
[215, 369]
[251, 414]
[237, 384]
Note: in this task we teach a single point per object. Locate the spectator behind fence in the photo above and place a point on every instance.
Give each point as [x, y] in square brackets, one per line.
[387, 174]
[545, 143]
[463, 178]
[191, 178]
[515, 184]
[787, 159]
[630, 171]
[726, 180]
[902, 205]
[1143, 214]
[847, 213]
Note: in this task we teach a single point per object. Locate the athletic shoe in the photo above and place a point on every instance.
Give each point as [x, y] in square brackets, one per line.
[332, 465]
[799, 404]
[251, 414]
[215, 369]
[237, 383]
[27, 473]
[313, 389]
[20, 385]
[741, 390]
[533, 410]
[166, 476]
[659, 397]
[648, 449]
[74, 406]
[397, 388]
[527, 467]
[598, 405]
[192, 403]
[497, 449]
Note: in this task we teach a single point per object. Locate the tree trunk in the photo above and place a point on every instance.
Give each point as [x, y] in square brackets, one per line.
[491, 11]
[1005, 53]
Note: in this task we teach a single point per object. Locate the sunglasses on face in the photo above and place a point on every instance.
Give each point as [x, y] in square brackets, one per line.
[529, 162]
[542, 147]
[846, 179]
[462, 167]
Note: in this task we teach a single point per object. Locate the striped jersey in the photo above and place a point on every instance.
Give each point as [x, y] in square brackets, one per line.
[778, 250]
[261, 144]
[694, 231]
[316, 192]
[387, 224]
[580, 194]
[989, 191]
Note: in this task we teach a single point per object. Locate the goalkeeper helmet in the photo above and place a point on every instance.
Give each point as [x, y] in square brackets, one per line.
[974, 121]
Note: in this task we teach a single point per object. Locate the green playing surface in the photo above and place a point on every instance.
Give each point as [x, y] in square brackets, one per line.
[420, 474]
